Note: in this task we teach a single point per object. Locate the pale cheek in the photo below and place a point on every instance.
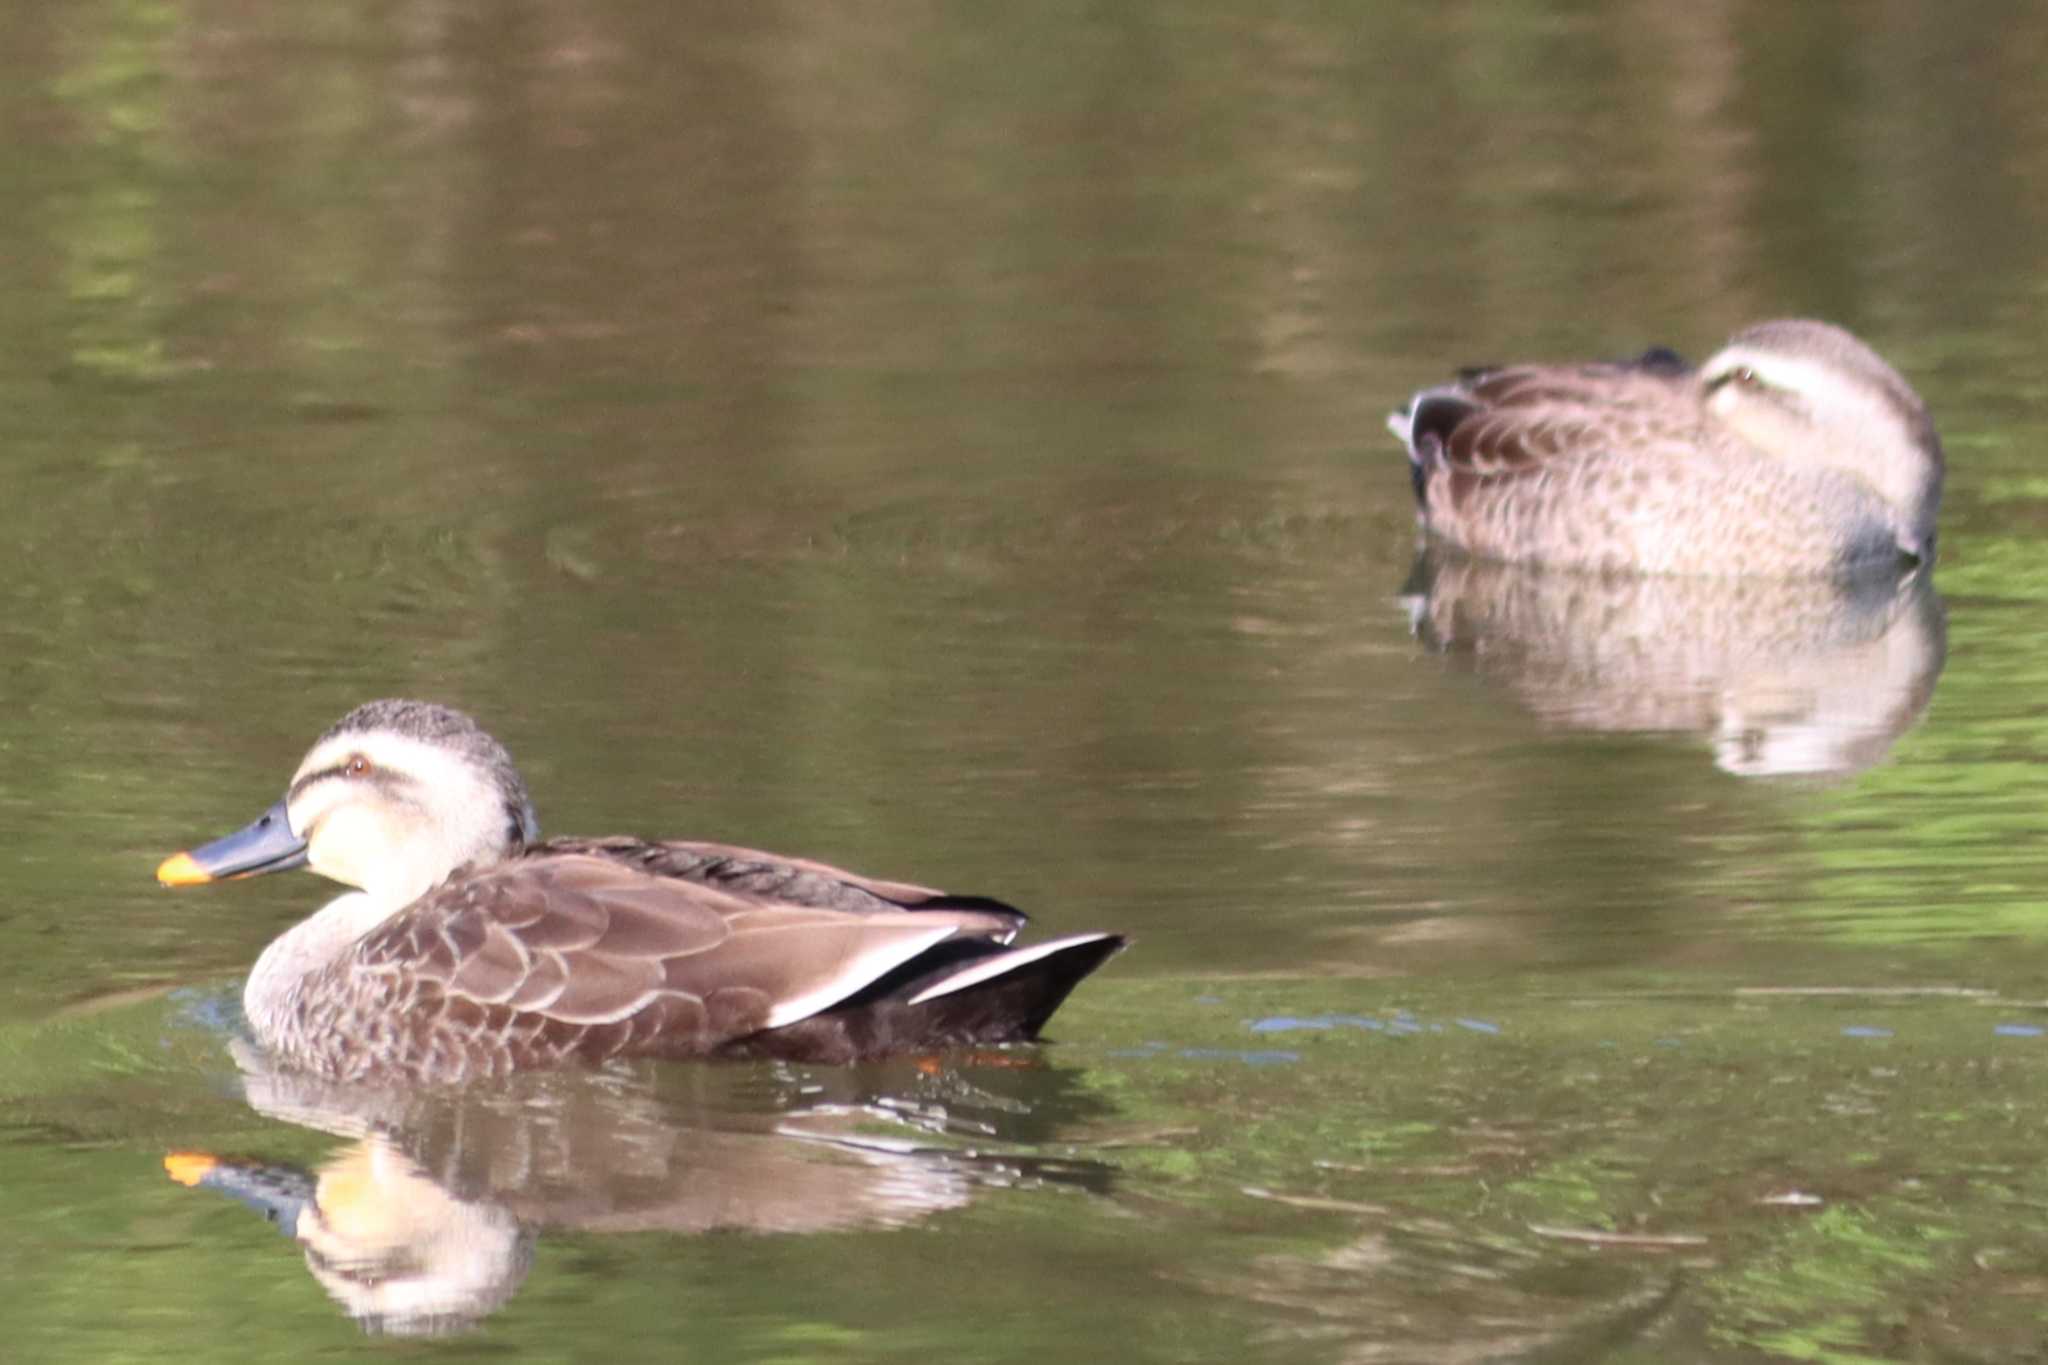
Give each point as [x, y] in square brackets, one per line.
[1732, 414]
[324, 855]
[1761, 425]
[323, 859]
[343, 841]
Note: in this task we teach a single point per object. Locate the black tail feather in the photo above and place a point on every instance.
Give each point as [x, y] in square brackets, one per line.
[1010, 1007]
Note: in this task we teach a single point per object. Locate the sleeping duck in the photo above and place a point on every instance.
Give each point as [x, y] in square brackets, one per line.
[1795, 451]
[473, 947]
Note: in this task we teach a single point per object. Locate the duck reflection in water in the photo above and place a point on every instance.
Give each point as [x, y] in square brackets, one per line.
[474, 948]
[1807, 677]
[426, 1221]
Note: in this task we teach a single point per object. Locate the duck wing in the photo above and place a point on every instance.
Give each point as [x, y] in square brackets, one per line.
[1526, 421]
[760, 876]
[557, 953]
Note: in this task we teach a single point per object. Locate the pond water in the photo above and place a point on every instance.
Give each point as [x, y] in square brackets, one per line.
[946, 440]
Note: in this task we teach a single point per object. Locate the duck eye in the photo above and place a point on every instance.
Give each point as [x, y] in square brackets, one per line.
[1741, 376]
[357, 766]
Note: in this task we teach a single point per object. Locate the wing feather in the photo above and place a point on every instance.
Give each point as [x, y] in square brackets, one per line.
[605, 952]
[784, 880]
[1480, 439]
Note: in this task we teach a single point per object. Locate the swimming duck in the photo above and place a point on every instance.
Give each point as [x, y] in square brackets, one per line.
[473, 947]
[1794, 451]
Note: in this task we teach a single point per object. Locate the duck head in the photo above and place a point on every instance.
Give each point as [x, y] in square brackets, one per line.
[392, 799]
[1808, 392]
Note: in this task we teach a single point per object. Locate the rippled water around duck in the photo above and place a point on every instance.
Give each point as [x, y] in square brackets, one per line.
[949, 444]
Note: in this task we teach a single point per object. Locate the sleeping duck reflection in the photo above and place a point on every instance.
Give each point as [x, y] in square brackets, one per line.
[473, 947]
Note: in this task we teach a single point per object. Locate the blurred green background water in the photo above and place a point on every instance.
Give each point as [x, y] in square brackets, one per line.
[946, 440]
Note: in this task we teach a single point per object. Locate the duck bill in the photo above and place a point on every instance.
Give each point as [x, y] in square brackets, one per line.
[267, 845]
[279, 1193]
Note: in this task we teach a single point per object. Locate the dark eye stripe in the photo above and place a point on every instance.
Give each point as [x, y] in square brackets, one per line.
[317, 775]
[1743, 376]
[383, 778]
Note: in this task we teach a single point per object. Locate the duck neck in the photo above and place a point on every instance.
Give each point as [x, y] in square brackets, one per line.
[300, 951]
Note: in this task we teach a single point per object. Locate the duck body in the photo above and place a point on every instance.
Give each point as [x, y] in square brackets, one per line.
[518, 953]
[1794, 451]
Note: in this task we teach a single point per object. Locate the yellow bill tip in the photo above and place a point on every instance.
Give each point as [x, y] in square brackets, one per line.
[180, 870]
[188, 1168]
